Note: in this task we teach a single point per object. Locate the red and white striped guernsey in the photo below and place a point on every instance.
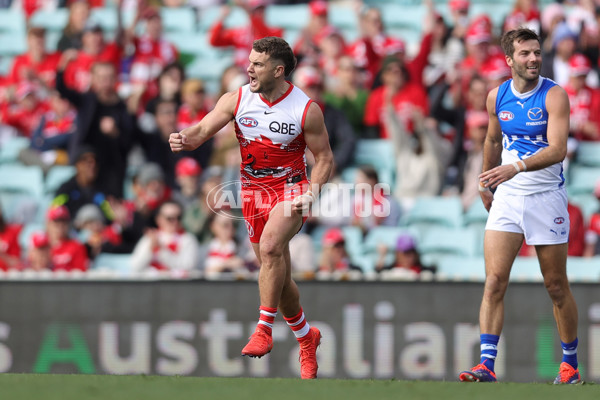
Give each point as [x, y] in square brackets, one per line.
[271, 137]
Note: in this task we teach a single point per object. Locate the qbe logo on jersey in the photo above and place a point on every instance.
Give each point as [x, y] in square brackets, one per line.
[506, 116]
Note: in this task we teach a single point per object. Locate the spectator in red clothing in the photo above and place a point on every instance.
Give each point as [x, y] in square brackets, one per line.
[332, 47]
[187, 175]
[39, 256]
[78, 72]
[67, 254]
[79, 12]
[525, 14]
[195, 105]
[26, 111]
[50, 139]
[152, 52]
[306, 47]
[10, 250]
[36, 65]
[334, 258]
[406, 96]
[241, 37]
[584, 101]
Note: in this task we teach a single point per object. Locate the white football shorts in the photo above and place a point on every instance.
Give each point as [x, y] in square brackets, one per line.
[542, 217]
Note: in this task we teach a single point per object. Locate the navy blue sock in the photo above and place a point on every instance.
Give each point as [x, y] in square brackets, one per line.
[570, 353]
[489, 349]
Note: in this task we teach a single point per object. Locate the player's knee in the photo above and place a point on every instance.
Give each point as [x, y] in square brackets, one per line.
[270, 250]
[495, 286]
[557, 289]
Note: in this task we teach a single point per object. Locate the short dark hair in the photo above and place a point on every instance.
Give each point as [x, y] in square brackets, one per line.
[279, 49]
[520, 35]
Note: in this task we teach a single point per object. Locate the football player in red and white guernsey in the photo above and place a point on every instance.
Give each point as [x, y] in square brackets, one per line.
[275, 122]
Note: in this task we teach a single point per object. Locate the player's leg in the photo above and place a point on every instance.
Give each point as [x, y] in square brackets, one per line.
[308, 337]
[500, 249]
[270, 249]
[553, 263]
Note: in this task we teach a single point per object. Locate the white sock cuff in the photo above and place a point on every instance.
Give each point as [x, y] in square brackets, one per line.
[261, 322]
[269, 314]
[297, 322]
[302, 332]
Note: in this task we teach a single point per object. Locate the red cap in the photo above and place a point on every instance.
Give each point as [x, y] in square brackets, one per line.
[318, 7]
[394, 46]
[479, 31]
[58, 212]
[579, 65]
[456, 5]
[187, 166]
[495, 69]
[253, 4]
[39, 239]
[307, 76]
[333, 236]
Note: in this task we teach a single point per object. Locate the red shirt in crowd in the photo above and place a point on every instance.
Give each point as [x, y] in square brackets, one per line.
[185, 117]
[148, 61]
[407, 98]
[242, 38]
[584, 107]
[79, 72]
[9, 243]
[25, 69]
[22, 119]
[69, 255]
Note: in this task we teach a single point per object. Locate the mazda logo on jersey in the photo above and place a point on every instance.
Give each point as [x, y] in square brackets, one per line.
[535, 113]
[506, 116]
[248, 122]
[559, 220]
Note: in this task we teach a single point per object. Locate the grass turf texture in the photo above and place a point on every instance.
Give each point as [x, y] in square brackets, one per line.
[84, 387]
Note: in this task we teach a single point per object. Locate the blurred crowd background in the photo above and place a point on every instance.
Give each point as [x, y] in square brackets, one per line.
[90, 91]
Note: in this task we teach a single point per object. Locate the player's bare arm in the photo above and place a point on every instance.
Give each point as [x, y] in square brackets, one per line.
[317, 141]
[192, 137]
[492, 149]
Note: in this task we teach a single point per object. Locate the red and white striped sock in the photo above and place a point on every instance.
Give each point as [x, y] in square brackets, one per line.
[267, 317]
[298, 324]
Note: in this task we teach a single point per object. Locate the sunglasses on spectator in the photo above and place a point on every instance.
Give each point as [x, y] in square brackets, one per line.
[172, 218]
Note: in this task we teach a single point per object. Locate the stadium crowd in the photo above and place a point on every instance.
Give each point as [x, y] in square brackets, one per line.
[106, 104]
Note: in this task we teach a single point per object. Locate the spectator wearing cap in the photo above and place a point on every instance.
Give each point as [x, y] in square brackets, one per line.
[79, 13]
[82, 188]
[39, 256]
[375, 45]
[556, 61]
[94, 49]
[187, 175]
[404, 95]
[334, 258]
[584, 101]
[306, 47]
[10, 250]
[25, 110]
[36, 65]
[152, 52]
[525, 14]
[407, 260]
[67, 254]
[50, 139]
[104, 122]
[168, 247]
[242, 37]
[95, 234]
[342, 138]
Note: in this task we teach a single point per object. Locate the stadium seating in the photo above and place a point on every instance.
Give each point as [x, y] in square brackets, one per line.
[292, 17]
[9, 151]
[12, 21]
[588, 154]
[526, 269]
[435, 211]
[16, 178]
[588, 203]
[583, 269]
[57, 175]
[114, 262]
[460, 268]
[440, 241]
[182, 19]
[582, 179]
[476, 214]
[12, 44]
[51, 20]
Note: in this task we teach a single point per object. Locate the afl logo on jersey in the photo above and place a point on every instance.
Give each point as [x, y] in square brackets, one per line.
[535, 113]
[248, 122]
[506, 116]
[559, 220]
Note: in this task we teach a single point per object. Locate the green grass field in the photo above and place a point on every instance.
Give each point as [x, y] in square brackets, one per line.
[84, 387]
